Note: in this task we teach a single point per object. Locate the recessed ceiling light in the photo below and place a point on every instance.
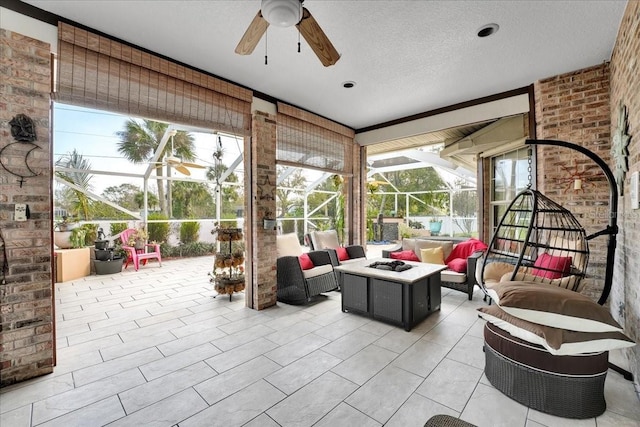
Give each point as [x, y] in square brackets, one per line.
[487, 30]
[348, 84]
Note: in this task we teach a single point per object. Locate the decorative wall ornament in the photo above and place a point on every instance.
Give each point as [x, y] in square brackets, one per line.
[267, 190]
[24, 132]
[18, 149]
[620, 148]
[22, 128]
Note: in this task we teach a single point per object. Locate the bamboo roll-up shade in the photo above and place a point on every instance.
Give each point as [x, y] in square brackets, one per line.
[310, 141]
[97, 72]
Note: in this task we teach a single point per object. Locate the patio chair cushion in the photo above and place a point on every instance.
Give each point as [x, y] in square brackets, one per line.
[288, 245]
[453, 276]
[325, 239]
[552, 306]
[317, 271]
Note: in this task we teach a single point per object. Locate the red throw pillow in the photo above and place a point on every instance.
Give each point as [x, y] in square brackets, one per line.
[405, 256]
[343, 255]
[305, 262]
[559, 264]
[458, 264]
[466, 249]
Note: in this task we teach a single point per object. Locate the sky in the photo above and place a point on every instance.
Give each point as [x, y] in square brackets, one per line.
[93, 134]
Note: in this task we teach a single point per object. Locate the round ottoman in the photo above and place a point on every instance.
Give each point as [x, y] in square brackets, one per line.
[565, 386]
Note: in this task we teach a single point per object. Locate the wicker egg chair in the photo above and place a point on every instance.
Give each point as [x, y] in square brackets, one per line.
[537, 240]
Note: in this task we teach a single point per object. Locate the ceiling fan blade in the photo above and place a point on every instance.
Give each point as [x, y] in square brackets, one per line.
[252, 36]
[193, 165]
[183, 170]
[317, 39]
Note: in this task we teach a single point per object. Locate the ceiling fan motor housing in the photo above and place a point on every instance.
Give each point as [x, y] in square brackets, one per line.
[282, 13]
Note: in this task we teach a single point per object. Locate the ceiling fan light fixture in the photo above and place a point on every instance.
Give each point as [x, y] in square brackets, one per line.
[282, 13]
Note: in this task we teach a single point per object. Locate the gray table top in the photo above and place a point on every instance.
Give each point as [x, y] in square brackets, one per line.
[419, 270]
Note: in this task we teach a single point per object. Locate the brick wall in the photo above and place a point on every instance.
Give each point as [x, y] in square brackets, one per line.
[574, 107]
[26, 311]
[263, 152]
[625, 88]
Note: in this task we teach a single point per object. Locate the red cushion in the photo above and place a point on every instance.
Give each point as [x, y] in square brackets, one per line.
[458, 264]
[405, 256]
[465, 249]
[305, 262]
[559, 264]
[343, 255]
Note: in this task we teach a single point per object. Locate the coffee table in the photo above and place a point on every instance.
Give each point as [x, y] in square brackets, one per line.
[404, 298]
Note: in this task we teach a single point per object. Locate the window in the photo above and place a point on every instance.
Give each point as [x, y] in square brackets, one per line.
[509, 175]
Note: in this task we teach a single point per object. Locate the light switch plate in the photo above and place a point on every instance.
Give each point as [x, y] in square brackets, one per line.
[20, 212]
[635, 190]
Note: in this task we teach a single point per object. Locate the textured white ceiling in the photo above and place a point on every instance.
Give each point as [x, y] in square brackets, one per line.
[406, 57]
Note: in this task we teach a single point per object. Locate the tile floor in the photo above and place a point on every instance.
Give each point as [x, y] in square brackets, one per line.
[154, 348]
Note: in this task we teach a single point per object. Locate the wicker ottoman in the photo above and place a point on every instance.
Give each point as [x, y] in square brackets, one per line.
[565, 386]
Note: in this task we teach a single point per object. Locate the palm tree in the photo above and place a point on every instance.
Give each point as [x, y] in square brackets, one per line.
[139, 142]
[80, 200]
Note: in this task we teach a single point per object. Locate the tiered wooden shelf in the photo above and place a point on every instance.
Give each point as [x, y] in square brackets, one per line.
[228, 266]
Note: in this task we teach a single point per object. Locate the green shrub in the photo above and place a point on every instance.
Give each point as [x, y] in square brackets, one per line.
[158, 231]
[189, 232]
[117, 227]
[188, 250]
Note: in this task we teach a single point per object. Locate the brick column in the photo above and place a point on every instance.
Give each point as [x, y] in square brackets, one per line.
[26, 309]
[263, 184]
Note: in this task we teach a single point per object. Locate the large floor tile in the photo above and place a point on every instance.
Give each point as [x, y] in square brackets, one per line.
[381, 397]
[309, 404]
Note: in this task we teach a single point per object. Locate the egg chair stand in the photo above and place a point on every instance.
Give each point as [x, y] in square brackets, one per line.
[532, 226]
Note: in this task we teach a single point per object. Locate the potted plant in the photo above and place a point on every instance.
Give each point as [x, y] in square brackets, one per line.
[138, 238]
[435, 225]
[62, 232]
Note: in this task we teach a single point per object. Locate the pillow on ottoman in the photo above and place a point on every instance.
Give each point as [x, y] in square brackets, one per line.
[552, 306]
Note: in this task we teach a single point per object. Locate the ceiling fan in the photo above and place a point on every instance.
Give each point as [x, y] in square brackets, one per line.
[286, 13]
[182, 167]
[177, 163]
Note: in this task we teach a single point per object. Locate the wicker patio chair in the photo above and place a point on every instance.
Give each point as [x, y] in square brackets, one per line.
[298, 286]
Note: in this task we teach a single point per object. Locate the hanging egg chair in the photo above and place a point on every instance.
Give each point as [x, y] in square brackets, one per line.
[537, 240]
[539, 243]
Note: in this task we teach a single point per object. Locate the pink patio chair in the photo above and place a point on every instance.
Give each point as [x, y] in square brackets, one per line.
[148, 251]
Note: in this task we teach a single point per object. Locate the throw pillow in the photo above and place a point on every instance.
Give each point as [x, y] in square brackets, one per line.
[305, 262]
[557, 341]
[343, 255]
[466, 249]
[458, 264]
[446, 245]
[551, 267]
[432, 255]
[552, 306]
[408, 255]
